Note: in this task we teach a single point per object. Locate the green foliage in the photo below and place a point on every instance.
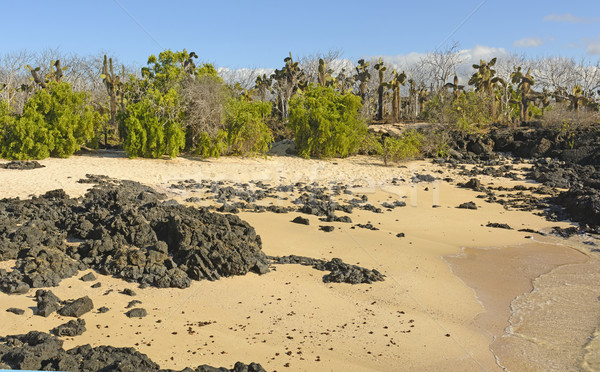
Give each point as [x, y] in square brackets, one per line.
[212, 147]
[55, 122]
[407, 146]
[153, 126]
[436, 142]
[247, 131]
[371, 144]
[326, 123]
[471, 112]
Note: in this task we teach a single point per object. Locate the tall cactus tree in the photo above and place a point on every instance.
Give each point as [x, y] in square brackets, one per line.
[397, 81]
[55, 74]
[324, 78]
[114, 88]
[577, 99]
[344, 82]
[287, 81]
[485, 81]
[362, 76]
[456, 88]
[381, 88]
[524, 83]
[263, 86]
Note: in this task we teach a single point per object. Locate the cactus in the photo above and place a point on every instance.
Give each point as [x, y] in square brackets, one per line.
[287, 82]
[456, 88]
[115, 92]
[344, 82]
[263, 86]
[362, 75]
[53, 75]
[395, 83]
[485, 81]
[577, 98]
[381, 88]
[527, 95]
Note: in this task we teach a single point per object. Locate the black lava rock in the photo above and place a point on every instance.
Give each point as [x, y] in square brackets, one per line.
[16, 311]
[499, 225]
[301, 220]
[136, 313]
[71, 328]
[78, 307]
[340, 272]
[88, 277]
[468, 205]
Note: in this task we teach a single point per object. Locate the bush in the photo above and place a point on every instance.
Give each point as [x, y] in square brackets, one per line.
[211, 147]
[153, 126]
[407, 146]
[247, 132]
[326, 123]
[371, 144]
[471, 112]
[55, 122]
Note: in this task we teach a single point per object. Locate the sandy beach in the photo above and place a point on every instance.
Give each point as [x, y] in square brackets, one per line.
[447, 302]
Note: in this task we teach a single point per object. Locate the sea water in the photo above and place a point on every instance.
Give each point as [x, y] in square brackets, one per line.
[554, 324]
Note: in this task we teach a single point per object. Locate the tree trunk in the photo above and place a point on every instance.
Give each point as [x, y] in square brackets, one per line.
[380, 108]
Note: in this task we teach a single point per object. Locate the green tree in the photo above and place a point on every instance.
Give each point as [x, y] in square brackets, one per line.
[55, 122]
[247, 131]
[326, 123]
[153, 125]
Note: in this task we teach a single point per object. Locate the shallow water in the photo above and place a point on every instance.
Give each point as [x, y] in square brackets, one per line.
[541, 301]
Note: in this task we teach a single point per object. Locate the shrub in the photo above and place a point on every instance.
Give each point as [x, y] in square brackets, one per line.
[247, 132]
[371, 144]
[55, 122]
[153, 126]
[471, 112]
[211, 147]
[407, 146]
[326, 123]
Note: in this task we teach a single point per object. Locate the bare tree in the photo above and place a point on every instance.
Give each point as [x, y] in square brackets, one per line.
[204, 100]
[310, 63]
[440, 65]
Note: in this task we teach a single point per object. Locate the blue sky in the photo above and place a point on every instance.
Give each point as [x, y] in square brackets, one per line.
[256, 33]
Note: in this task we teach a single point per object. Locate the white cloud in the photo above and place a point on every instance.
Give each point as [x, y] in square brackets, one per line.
[479, 52]
[570, 18]
[528, 42]
[593, 48]
[403, 60]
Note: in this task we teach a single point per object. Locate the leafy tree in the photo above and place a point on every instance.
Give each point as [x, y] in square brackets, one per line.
[153, 126]
[247, 132]
[326, 123]
[56, 122]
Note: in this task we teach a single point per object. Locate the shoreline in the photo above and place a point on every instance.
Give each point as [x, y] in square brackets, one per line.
[361, 323]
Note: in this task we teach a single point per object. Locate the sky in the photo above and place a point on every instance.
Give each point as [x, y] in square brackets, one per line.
[259, 34]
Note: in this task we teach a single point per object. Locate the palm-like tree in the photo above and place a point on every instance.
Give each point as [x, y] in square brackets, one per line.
[395, 83]
[524, 83]
[485, 81]
[381, 68]
[456, 88]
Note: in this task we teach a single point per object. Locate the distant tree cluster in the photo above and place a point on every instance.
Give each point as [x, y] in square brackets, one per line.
[175, 104]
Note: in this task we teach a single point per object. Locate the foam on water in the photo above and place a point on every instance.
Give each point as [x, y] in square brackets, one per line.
[555, 326]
